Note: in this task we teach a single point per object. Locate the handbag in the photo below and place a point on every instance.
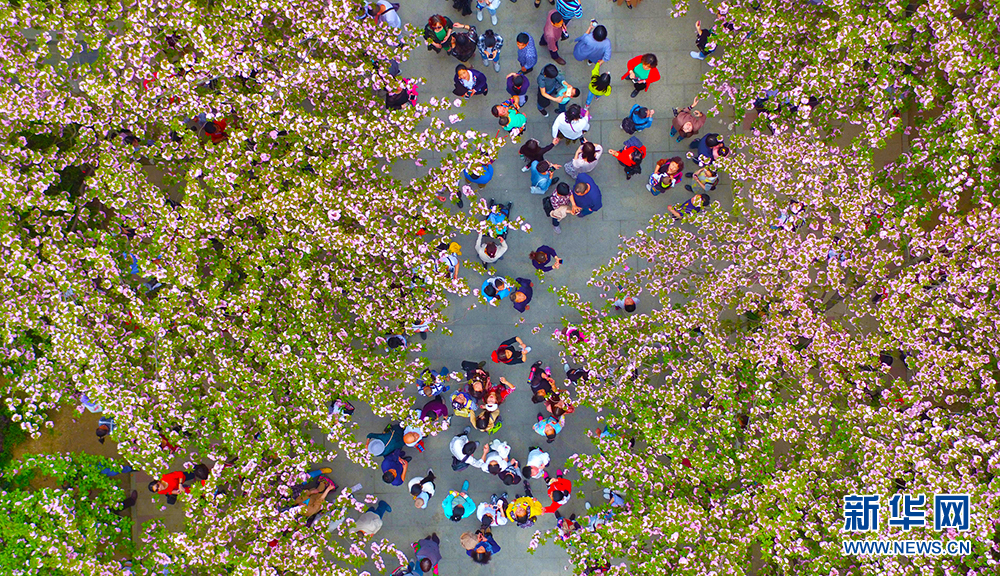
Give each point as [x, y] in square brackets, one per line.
[560, 212]
[547, 205]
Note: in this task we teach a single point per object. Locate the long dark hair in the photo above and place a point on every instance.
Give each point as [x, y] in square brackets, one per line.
[600, 83]
[589, 152]
[574, 112]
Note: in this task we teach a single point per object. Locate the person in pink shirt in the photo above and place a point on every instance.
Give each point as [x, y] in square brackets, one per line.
[554, 31]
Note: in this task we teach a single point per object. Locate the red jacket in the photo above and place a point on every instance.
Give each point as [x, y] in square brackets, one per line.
[625, 156]
[563, 485]
[173, 480]
[654, 74]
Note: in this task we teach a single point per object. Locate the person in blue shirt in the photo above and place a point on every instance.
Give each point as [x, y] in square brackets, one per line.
[587, 195]
[527, 55]
[495, 289]
[479, 176]
[593, 46]
[641, 118]
[457, 505]
[394, 467]
[541, 176]
[485, 547]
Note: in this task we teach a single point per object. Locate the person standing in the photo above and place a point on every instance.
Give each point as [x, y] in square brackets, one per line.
[639, 118]
[464, 44]
[561, 205]
[491, 6]
[593, 46]
[428, 554]
[702, 42]
[517, 87]
[642, 72]
[506, 353]
[552, 33]
[696, 204]
[524, 510]
[541, 176]
[457, 504]
[489, 45]
[386, 442]
[463, 452]
[394, 467]
[545, 259]
[422, 489]
[384, 12]
[485, 546]
[532, 151]
[527, 55]
[585, 159]
[571, 124]
[549, 427]
[667, 174]
[469, 82]
[569, 9]
[490, 251]
[559, 489]
[534, 465]
[687, 121]
[105, 426]
[550, 82]
[522, 296]
[586, 195]
[494, 288]
[492, 513]
[370, 522]
[600, 85]
[630, 156]
[627, 304]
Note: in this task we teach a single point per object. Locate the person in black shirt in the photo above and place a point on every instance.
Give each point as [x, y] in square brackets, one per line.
[701, 41]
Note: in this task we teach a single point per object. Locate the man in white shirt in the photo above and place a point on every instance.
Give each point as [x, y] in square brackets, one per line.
[490, 251]
[534, 466]
[495, 457]
[385, 12]
[463, 452]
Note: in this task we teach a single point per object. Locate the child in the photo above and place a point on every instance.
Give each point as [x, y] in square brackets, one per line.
[510, 117]
[630, 156]
[600, 85]
[639, 118]
[489, 45]
[490, 5]
[517, 85]
[666, 175]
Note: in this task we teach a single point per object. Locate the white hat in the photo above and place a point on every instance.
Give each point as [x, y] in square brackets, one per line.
[376, 447]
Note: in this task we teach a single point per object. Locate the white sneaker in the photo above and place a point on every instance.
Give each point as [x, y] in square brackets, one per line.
[697, 55]
[556, 230]
[493, 18]
[648, 187]
[496, 66]
[479, 15]
[525, 169]
[486, 63]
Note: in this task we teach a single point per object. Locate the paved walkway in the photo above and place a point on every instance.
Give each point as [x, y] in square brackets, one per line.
[585, 244]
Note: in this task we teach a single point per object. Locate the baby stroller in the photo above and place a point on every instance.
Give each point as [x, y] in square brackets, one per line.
[498, 218]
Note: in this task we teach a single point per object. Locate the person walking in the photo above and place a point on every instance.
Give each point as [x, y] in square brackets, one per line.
[630, 156]
[600, 85]
[438, 32]
[571, 124]
[527, 54]
[586, 195]
[469, 82]
[457, 504]
[550, 82]
[506, 353]
[559, 206]
[517, 87]
[585, 159]
[687, 121]
[552, 33]
[490, 251]
[639, 118]
[642, 72]
[666, 174]
[422, 489]
[545, 259]
[489, 5]
[428, 554]
[541, 176]
[593, 46]
[489, 46]
[522, 296]
[370, 522]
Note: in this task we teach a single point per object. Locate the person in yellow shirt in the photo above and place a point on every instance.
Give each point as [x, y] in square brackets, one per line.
[600, 85]
[524, 510]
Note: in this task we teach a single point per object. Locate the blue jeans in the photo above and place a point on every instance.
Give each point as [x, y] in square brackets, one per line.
[383, 507]
[591, 97]
[491, 10]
